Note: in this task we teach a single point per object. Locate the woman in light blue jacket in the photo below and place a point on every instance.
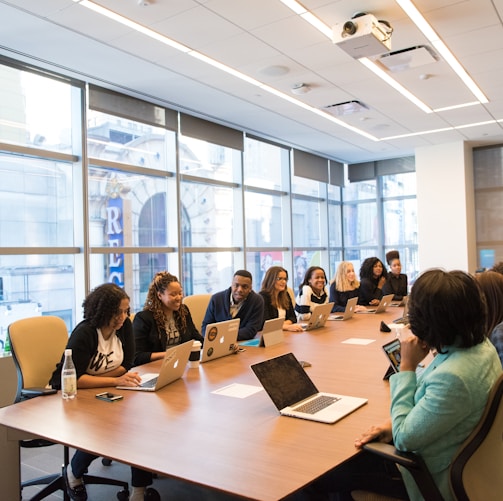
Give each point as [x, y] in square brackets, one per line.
[431, 414]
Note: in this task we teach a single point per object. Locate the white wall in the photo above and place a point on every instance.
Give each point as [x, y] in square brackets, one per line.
[445, 206]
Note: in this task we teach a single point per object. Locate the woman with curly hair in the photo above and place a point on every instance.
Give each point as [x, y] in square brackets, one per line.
[277, 300]
[164, 321]
[103, 352]
[372, 279]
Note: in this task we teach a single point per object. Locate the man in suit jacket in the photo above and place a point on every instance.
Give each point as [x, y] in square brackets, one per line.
[238, 301]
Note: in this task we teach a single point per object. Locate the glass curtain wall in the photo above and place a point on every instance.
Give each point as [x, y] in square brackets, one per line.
[40, 195]
[266, 207]
[112, 189]
[380, 215]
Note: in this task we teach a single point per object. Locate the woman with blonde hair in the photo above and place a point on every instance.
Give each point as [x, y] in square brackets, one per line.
[344, 286]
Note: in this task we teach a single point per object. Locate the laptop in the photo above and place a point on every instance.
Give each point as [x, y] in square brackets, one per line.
[381, 307]
[271, 333]
[172, 368]
[294, 393]
[319, 316]
[392, 352]
[219, 339]
[348, 312]
[404, 319]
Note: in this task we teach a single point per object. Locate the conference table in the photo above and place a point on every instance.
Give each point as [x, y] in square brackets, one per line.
[202, 429]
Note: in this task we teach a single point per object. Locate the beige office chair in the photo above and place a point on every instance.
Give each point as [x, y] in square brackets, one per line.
[197, 305]
[37, 345]
[476, 470]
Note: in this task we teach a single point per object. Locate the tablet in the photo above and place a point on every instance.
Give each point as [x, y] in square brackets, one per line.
[392, 352]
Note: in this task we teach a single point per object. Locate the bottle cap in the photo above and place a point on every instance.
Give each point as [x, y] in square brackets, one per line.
[68, 351]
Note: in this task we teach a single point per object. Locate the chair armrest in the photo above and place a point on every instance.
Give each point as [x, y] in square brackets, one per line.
[36, 392]
[388, 451]
[413, 463]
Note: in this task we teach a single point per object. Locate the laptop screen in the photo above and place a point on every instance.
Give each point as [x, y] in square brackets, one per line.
[284, 380]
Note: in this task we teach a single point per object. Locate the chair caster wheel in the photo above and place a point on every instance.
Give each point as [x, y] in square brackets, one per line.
[123, 495]
[106, 462]
[151, 495]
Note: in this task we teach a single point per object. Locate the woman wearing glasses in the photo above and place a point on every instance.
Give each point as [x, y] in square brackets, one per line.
[277, 300]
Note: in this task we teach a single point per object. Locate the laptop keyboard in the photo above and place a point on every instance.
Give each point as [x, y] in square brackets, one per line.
[316, 404]
[149, 384]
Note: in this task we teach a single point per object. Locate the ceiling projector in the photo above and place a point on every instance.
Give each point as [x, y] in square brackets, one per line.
[363, 36]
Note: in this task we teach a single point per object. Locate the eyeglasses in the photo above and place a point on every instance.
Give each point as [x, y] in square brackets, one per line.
[281, 279]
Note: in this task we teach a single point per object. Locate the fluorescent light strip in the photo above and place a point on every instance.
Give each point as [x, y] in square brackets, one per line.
[417, 18]
[445, 129]
[456, 106]
[316, 23]
[390, 81]
[295, 6]
[216, 64]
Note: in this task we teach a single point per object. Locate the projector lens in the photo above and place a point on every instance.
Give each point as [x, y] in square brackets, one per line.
[349, 28]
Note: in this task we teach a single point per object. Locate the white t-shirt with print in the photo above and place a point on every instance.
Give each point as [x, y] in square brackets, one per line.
[109, 355]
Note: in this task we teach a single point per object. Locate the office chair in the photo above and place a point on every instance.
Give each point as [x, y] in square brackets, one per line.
[37, 344]
[197, 304]
[475, 473]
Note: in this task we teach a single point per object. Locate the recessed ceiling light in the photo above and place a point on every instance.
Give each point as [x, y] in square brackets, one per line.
[275, 71]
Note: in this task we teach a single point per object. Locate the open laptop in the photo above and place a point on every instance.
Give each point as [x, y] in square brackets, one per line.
[319, 316]
[172, 368]
[219, 339]
[381, 307]
[348, 312]
[294, 394]
[404, 319]
[271, 333]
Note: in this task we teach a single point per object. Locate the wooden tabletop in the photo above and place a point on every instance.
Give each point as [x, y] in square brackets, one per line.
[237, 445]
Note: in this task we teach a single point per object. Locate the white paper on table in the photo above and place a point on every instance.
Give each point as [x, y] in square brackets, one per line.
[238, 390]
[358, 340]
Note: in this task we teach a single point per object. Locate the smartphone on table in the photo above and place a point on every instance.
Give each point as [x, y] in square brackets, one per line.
[109, 397]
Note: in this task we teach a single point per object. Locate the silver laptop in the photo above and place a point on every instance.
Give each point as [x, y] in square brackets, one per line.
[381, 307]
[271, 334]
[294, 394]
[172, 368]
[219, 339]
[319, 316]
[404, 319]
[348, 312]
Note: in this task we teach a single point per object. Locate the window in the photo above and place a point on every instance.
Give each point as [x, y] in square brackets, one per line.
[488, 177]
[40, 240]
[161, 190]
[212, 230]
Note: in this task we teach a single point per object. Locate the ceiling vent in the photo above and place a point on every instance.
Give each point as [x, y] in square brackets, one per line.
[405, 59]
[346, 108]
